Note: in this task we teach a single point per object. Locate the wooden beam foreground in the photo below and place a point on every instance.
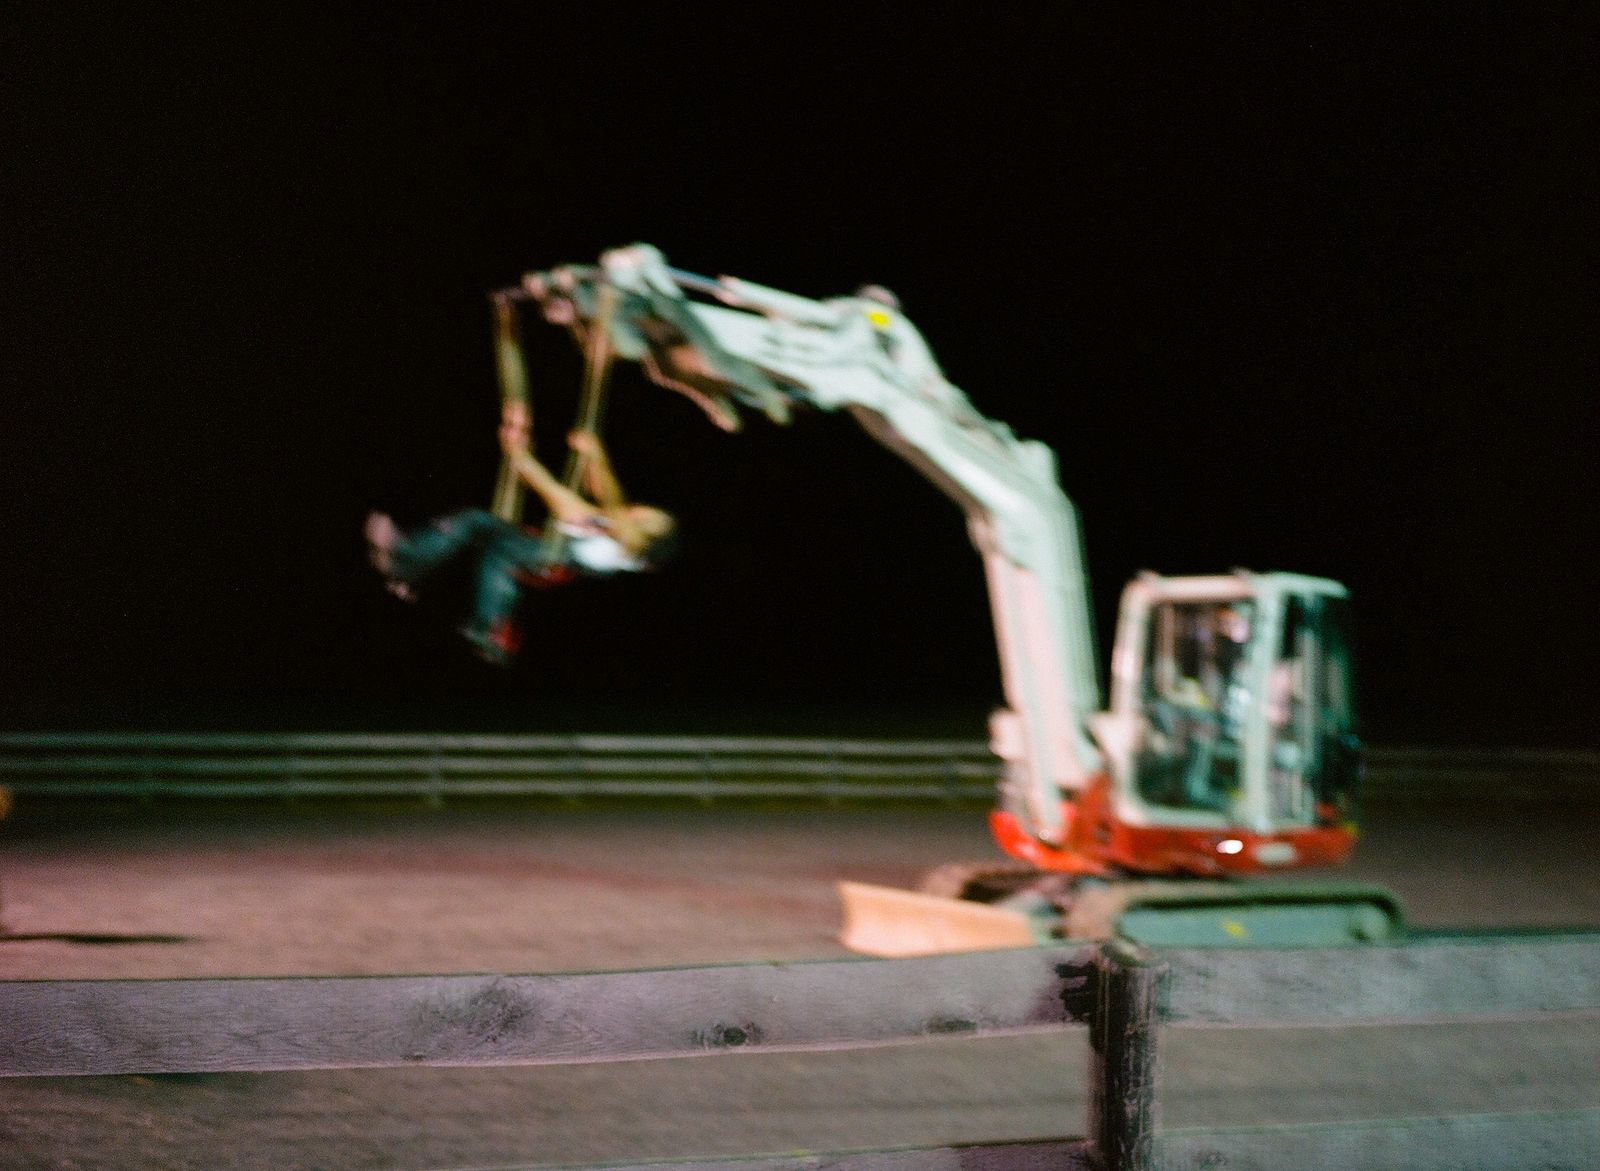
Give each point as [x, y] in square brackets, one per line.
[84, 1027]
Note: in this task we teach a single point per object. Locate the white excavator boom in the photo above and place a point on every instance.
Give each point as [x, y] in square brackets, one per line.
[771, 350]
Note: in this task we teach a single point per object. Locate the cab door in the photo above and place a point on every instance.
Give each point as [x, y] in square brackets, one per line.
[1313, 756]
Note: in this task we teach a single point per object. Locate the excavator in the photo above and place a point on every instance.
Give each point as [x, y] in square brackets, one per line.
[1227, 757]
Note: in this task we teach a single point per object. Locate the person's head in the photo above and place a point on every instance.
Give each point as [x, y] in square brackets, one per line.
[660, 529]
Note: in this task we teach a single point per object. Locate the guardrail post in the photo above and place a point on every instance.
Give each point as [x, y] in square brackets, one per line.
[708, 789]
[1122, 1075]
[434, 797]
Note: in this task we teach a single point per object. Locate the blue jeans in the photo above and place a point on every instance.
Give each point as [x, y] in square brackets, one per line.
[504, 552]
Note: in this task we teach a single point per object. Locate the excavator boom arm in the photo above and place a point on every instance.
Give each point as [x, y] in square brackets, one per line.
[771, 350]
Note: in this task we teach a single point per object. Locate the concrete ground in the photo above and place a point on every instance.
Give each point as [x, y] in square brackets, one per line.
[181, 890]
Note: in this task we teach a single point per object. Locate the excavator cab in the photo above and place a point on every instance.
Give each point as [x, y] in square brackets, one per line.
[1229, 744]
[1239, 690]
[1229, 748]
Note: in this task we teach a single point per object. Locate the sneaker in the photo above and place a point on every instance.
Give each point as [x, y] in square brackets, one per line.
[382, 536]
[497, 647]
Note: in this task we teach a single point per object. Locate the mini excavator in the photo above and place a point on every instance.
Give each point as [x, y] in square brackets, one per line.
[1227, 757]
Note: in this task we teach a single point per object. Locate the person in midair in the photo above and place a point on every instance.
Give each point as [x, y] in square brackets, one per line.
[595, 533]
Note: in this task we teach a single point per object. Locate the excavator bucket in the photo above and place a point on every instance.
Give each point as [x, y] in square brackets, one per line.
[887, 921]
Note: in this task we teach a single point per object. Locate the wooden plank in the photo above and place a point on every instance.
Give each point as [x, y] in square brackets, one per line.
[172, 1026]
[1035, 1155]
[1550, 1141]
[1420, 981]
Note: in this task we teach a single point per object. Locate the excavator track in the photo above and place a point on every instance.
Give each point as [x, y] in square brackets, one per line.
[979, 906]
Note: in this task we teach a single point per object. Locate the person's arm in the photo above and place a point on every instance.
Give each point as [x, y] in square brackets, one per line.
[606, 491]
[599, 477]
[563, 503]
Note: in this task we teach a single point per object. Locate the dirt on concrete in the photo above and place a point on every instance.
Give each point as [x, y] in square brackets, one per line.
[184, 890]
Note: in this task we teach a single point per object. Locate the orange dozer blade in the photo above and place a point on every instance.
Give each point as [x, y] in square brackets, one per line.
[886, 921]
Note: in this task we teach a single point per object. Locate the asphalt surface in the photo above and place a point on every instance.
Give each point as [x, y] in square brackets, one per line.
[179, 890]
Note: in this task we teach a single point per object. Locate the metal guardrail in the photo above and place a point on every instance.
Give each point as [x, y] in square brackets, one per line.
[434, 766]
[1123, 993]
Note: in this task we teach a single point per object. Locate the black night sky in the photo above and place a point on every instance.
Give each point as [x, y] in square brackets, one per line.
[1284, 291]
